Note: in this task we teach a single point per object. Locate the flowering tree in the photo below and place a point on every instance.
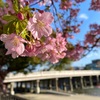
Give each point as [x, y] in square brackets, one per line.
[40, 29]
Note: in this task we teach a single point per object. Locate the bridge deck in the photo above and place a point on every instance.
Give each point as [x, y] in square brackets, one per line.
[49, 75]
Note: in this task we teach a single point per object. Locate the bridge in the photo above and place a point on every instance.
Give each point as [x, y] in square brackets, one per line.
[53, 80]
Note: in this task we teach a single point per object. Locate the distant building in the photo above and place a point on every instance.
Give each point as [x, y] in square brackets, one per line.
[95, 65]
[78, 68]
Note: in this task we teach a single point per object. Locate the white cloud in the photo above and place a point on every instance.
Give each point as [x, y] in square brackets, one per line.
[83, 16]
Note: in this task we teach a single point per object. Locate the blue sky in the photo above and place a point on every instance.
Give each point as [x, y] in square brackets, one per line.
[89, 17]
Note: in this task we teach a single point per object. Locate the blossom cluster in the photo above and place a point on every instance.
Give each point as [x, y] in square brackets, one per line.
[52, 49]
[65, 4]
[6, 10]
[32, 33]
[76, 52]
[93, 36]
[95, 5]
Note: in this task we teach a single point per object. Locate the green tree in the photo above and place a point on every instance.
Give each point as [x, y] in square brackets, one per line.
[64, 64]
[87, 68]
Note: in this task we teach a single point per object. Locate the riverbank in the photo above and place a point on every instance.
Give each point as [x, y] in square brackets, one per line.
[58, 97]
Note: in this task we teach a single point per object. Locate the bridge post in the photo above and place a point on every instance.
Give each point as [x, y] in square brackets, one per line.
[50, 84]
[85, 82]
[98, 79]
[37, 86]
[23, 85]
[76, 85]
[65, 86]
[71, 85]
[12, 89]
[31, 87]
[82, 85]
[56, 83]
[91, 82]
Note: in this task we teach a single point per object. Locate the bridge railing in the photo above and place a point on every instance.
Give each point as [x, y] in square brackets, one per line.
[49, 74]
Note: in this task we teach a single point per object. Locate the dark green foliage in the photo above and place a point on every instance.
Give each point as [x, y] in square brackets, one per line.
[63, 64]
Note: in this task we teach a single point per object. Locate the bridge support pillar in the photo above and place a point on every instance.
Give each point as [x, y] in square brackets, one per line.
[98, 81]
[82, 85]
[91, 82]
[21, 84]
[50, 84]
[85, 82]
[56, 83]
[31, 87]
[12, 89]
[65, 86]
[37, 86]
[71, 85]
[76, 85]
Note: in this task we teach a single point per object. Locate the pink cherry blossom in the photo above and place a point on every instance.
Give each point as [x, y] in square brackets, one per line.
[95, 5]
[6, 10]
[65, 4]
[74, 12]
[31, 48]
[89, 39]
[14, 44]
[39, 25]
[76, 52]
[10, 7]
[53, 49]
